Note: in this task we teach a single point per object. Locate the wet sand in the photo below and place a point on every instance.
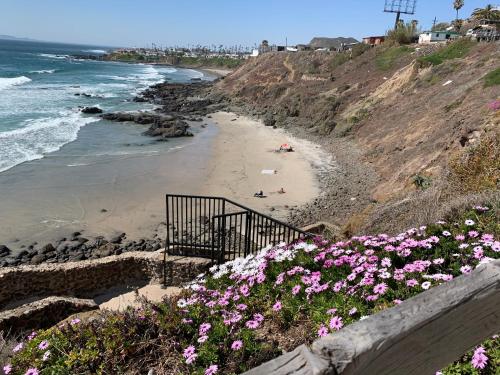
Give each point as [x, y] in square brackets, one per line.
[45, 199]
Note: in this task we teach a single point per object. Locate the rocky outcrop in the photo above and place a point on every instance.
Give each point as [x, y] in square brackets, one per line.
[76, 248]
[4, 251]
[163, 126]
[91, 110]
[191, 99]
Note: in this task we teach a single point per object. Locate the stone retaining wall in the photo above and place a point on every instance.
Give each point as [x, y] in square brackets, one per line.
[88, 279]
[43, 314]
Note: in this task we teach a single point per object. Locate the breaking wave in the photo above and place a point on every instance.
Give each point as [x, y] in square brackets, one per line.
[39, 137]
[48, 71]
[6, 83]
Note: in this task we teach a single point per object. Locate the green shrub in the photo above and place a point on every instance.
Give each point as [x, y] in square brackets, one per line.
[421, 182]
[403, 34]
[492, 78]
[455, 50]
[359, 49]
[389, 56]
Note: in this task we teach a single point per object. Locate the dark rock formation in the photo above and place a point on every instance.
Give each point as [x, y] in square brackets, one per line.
[4, 251]
[164, 126]
[91, 110]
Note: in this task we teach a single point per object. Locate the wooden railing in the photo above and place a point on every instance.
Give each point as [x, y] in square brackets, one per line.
[421, 336]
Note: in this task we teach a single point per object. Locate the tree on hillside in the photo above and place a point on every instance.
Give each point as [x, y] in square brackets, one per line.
[489, 13]
[458, 4]
[440, 26]
[405, 33]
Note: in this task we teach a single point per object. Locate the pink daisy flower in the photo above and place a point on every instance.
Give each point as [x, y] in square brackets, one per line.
[479, 359]
[189, 351]
[336, 323]
[43, 345]
[237, 345]
[252, 324]
[213, 369]
[296, 289]
[322, 331]
[380, 288]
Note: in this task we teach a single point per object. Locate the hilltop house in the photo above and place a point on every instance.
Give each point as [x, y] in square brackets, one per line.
[374, 40]
[487, 30]
[437, 36]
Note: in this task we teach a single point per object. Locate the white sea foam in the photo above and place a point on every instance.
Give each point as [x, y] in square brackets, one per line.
[96, 51]
[48, 71]
[39, 137]
[6, 83]
[151, 76]
[77, 165]
[52, 56]
[167, 70]
[194, 73]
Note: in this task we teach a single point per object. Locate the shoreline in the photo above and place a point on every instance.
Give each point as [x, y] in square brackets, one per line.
[205, 165]
[213, 71]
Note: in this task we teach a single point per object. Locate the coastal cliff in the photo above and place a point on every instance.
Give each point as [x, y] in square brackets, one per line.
[414, 129]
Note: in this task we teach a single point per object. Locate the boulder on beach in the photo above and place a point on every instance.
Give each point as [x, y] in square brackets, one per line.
[4, 251]
[91, 110]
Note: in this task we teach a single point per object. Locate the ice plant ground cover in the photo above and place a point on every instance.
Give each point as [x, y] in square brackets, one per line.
[248, 311]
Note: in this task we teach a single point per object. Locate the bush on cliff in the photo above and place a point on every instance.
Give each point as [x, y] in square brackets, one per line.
[492, 78]
[458, 49]
[250, 310]
[388, 56]
[405, 33]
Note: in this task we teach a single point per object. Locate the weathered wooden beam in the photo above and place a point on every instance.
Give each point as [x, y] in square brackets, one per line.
[298, 362]
[418, 337]
[422, 335]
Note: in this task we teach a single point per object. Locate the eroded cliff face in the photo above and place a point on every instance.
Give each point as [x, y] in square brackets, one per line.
[406, 118]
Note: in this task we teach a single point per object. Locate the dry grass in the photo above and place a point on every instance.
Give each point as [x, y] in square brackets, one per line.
[478, 167]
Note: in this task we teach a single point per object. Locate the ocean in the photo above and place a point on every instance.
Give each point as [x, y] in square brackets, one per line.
[63, 171]
[42, 88]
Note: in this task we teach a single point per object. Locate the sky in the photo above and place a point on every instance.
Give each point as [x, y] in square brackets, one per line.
[189, 22]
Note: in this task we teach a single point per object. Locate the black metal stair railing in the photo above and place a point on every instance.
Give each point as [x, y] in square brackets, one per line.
[220, 229]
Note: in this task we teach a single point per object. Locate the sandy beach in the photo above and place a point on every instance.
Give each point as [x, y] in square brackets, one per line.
[217, 72]
[245, 148]
[47, 199]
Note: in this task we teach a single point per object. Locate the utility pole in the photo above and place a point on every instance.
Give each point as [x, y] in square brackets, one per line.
[398, 17]
[434, 23]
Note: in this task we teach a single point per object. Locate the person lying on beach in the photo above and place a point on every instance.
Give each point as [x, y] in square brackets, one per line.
[286, 148]
[260, 194]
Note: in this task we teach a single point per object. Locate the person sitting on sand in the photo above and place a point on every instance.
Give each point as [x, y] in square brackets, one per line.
[260, 194]
[281, 191]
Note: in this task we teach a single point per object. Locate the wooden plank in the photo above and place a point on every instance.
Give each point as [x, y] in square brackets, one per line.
[298, 362]
[423, 334]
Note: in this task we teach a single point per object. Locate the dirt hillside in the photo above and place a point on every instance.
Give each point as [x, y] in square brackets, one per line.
[414, 131]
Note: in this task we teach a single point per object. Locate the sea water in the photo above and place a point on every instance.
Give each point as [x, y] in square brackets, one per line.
[42, 87]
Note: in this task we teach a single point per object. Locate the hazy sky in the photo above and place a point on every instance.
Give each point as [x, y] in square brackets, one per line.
[230, 22]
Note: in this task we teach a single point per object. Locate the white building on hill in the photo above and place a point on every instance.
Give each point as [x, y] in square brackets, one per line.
[437, 36]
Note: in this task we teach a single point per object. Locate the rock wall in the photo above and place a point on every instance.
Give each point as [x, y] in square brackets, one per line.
[88, 279]
[43, 314]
